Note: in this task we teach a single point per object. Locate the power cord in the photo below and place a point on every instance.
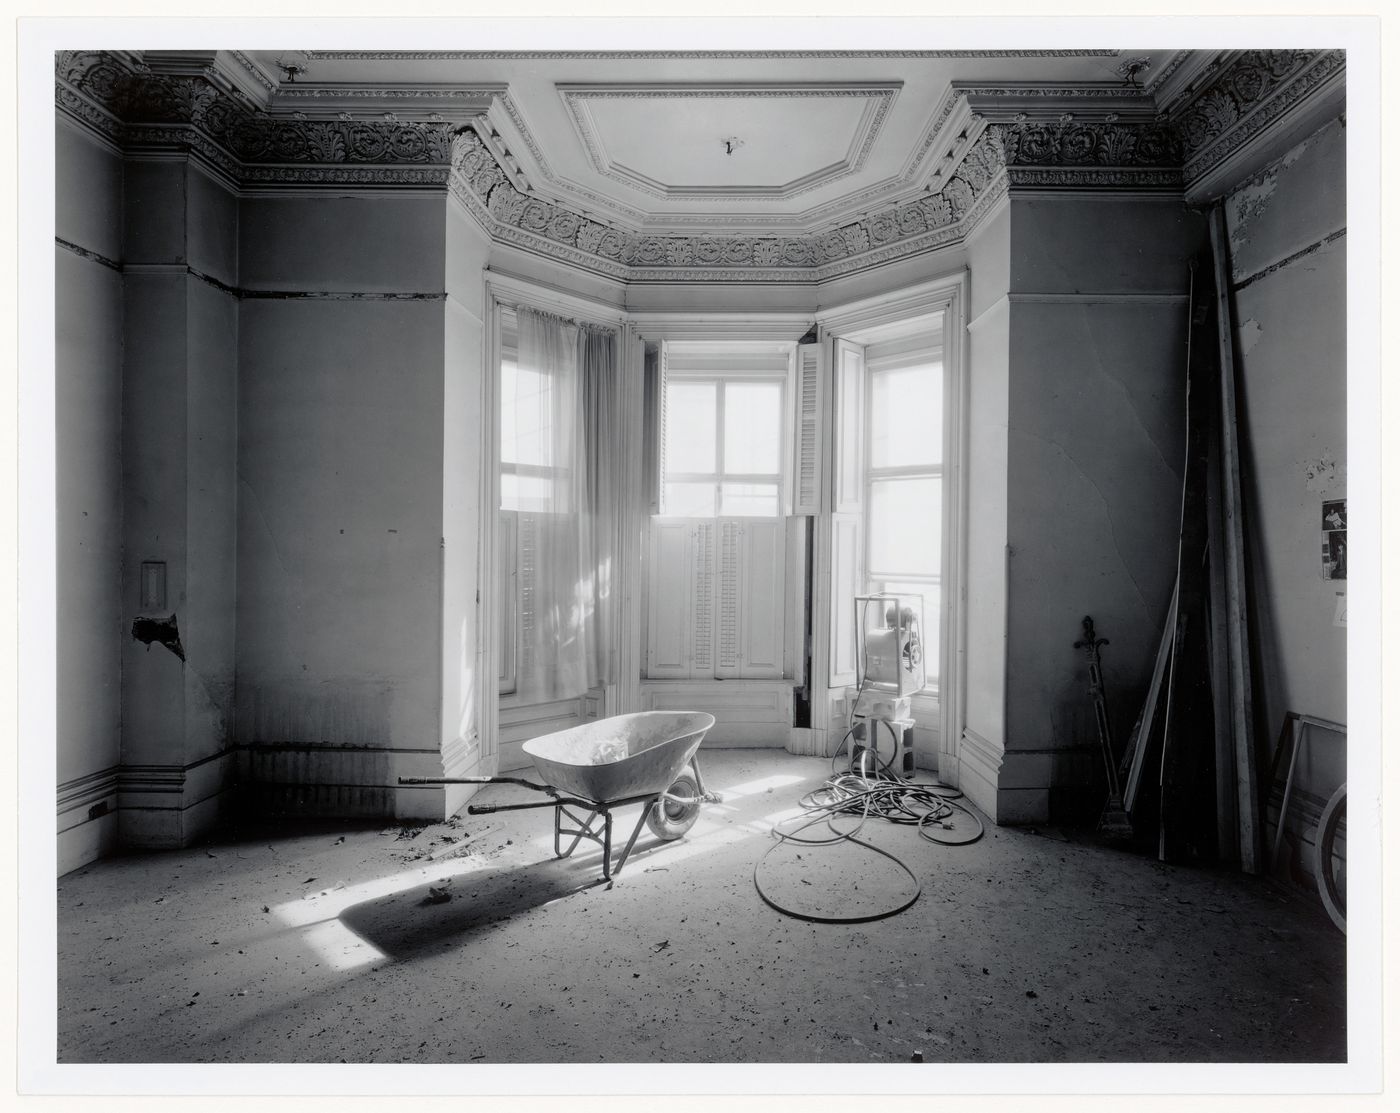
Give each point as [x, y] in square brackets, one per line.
[879, 793]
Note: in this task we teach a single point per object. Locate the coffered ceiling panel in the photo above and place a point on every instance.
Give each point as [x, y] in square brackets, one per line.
[744, 144]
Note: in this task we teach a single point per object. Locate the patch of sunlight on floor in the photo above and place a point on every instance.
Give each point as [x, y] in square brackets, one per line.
[749, 788]
[339, 946]
[317, 913]
[764, 826]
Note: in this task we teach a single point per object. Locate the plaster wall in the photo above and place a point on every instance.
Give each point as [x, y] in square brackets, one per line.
[1286, 229]
[154, 485]
[1095, 446]
[211, 515]
[212, 218]
[336, 244]
[88, 190]
[179, 464]
[340, 447]
[87, 386]
[988, 354]
[1095, 443]
[463, 427]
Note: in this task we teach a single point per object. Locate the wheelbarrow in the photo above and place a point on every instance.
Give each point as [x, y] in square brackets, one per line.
[647, 758]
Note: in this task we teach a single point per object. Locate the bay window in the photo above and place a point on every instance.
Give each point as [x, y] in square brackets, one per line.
[904, 480]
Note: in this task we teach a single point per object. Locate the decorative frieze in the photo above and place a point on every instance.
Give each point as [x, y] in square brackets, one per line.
[1069, 141]
[542, 226]
[1242, 97]
[146, 104]
[1009, 137]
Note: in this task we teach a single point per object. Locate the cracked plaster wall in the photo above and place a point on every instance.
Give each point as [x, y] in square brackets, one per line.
[341, 434]
[1288, 253]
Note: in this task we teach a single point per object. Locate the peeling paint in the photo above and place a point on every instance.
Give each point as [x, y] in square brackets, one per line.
[1249, 334]
[1323, 473]
[1251, 199]
[154, 630]
[1248, 203]
[1312, 249]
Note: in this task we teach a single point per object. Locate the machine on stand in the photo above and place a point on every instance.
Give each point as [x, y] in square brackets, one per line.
[889, 670]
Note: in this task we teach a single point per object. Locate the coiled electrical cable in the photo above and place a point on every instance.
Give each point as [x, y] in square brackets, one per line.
[870, 788]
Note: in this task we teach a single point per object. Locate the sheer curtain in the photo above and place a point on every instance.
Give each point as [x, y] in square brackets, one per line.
[565, 407]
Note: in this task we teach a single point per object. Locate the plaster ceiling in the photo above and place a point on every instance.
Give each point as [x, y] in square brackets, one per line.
[675, 142]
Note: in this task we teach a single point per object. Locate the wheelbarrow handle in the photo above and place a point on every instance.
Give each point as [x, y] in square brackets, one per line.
[487, 809]
[477, 781]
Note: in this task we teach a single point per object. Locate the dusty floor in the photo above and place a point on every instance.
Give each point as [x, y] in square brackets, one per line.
[324, 946]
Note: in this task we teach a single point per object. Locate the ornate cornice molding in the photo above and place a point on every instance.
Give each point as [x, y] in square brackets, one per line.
[143, 107]
[533, 55]
[513, 217]
[1245, 94]
[1109, 143]
[1008, 137]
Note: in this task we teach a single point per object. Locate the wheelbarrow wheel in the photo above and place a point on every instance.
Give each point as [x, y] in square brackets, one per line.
[670, 819]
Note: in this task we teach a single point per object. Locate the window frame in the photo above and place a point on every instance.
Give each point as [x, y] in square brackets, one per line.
[717, 479]
[510, 351]
[880, 579]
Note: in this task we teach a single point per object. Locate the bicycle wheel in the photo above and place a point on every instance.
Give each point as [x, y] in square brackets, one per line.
[1334, 897]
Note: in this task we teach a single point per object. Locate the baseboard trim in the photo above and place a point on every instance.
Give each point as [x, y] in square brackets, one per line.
[979, 767]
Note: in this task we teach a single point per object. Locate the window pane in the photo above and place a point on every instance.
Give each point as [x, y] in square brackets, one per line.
[690, 427]
[690, 500]
[749, 500]
[525, 492]
[753, 428]
[525, 415]
[906, 416]
[906, 526]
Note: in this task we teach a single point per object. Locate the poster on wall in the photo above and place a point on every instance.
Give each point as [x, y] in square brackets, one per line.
[1334, 539]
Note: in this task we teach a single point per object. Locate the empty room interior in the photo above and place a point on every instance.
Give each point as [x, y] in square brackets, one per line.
[725, 556]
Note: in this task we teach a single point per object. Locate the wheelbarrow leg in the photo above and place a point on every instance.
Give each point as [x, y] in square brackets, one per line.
[637, 830]
[607, 844]
[583, 829]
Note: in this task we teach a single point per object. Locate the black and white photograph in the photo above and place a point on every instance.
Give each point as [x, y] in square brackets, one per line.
[482, 459]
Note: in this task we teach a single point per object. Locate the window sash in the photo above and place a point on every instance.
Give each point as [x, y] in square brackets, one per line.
[882, 579]
[721, 476]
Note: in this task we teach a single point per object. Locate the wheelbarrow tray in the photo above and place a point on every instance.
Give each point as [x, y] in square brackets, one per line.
[621, 757]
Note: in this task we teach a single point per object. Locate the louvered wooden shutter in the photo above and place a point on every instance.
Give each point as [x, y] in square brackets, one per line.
[847, 499]
[508, 600]
[848, 476]
[669, 600]
[702, 581]
[807, 439]
[662, 360]
[528, 526]
[762, 577]
[730, 585]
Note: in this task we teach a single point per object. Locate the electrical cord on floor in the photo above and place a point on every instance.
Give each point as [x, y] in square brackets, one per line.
[870, 788]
